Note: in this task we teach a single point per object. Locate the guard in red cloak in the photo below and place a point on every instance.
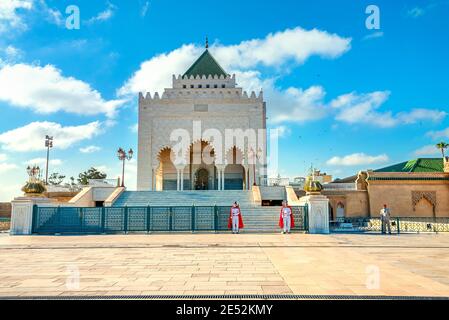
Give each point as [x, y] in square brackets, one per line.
[286, 220]
[235, 219]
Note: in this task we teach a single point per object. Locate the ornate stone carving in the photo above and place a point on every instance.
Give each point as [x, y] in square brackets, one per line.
[430, 196]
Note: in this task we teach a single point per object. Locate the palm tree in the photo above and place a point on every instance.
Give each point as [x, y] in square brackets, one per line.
[442, 146]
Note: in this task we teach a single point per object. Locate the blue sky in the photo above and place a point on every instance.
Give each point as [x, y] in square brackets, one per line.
[347, 98]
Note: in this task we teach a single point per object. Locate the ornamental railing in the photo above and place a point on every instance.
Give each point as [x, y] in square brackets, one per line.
[398, 225]
[72, 220]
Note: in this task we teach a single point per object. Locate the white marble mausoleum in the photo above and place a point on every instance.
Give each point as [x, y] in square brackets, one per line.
[225, 125]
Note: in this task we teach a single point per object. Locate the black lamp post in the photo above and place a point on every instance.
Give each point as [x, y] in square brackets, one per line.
[48, 145]
[123, 156]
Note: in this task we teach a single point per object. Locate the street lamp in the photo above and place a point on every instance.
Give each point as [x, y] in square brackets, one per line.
[122, 155]
[48, 145]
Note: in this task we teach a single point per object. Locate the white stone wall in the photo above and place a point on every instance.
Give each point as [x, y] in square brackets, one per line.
[219, 109]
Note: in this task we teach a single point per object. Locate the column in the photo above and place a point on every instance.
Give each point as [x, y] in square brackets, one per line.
[246, 186]
[178, 178]
[182, 179]
[223, 180]
[219, 179]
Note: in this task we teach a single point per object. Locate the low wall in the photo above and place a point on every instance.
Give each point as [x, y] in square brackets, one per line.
[4, 224]
[5, 210]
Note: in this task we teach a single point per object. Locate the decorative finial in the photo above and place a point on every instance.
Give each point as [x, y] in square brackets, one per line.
[207, 42]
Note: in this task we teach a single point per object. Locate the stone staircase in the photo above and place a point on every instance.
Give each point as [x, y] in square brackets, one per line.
[256, 218]
[185, 198]
[261, 219]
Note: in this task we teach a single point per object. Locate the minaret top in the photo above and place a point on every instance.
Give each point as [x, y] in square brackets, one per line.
[207, 42]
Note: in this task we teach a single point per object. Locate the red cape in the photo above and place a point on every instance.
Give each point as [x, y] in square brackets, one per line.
[241, 225]
[281, 220]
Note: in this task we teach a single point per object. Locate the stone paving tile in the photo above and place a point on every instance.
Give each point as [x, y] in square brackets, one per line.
[222, 264]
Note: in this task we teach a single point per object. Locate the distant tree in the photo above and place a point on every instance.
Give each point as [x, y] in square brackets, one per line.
[442, 146]
[91, 174]
[56, 179]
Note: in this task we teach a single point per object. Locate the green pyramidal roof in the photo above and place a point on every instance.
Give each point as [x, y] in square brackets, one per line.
[206, 65]
[417, 165]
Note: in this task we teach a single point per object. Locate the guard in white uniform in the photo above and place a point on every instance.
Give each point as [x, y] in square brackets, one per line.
[286, 221]
[235, 219]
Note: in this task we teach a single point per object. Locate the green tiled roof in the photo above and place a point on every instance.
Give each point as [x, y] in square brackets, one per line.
[206, 65]
[417, 165]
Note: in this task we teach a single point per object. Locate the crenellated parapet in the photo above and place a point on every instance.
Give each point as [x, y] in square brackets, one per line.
[204, 82]
[170, 95]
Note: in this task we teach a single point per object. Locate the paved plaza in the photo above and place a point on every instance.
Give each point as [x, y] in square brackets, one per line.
[222, 264]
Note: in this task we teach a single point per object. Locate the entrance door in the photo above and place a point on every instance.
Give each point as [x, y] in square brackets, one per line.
[340, 211]
[202, 180]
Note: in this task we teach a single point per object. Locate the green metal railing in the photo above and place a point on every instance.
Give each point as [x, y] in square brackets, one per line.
[398, 225]
[71, 220]
[5, 224]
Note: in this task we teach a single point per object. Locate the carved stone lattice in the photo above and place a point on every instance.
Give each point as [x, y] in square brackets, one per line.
[430, 196]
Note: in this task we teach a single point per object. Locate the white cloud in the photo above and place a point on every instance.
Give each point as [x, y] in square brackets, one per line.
[3, 157]
[281, 47]
[43, 161]
[155, 74]
[354, 108]
[10, 15]
[52, 15]
[5, 167]
[135, 128]
[51, 92]
[357, 108]
[429, 150]
[357, 159]
[9, 191]
[418, 115]
[31, 136]
[13, 53]
[90, 149]
[283, 131]
[105, 15]
[297, 105]
[275, 50]
[439, 134]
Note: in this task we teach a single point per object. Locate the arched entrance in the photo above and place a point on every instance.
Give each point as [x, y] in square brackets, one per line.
[235, 173]
[166, 178]
[200, 170]
[340, 210]
[201, 181]
[201, 166]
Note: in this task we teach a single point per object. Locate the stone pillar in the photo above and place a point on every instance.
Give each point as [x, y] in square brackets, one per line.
[220, 170]
[446, 164]
[178, 180]
[223, 180]
[22, 214]
[182, 179]
[318, 213]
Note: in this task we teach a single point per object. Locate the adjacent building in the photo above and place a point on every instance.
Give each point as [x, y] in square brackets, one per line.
[415, 188]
